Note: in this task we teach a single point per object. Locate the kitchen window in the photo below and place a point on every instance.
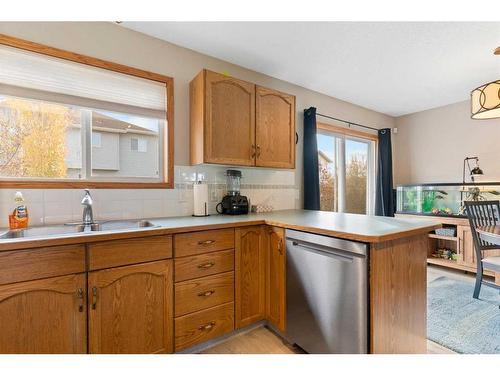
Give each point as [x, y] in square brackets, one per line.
[346, 170]
[67, 118]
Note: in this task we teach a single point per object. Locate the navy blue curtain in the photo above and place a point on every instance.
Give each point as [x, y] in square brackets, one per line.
[384, 200]
[311, 171]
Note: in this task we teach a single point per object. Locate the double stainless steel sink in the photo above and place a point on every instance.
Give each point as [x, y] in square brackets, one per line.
[56, 230]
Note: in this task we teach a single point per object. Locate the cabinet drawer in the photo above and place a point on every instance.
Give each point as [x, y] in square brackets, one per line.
[204, 265]
[130, 251]
[204, 325]
[203, 242]
[31, 264]
[199, 294]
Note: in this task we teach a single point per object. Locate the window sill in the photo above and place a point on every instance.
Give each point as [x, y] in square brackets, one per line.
[83, 185]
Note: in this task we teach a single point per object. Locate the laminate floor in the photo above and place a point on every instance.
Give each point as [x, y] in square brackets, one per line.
[257, 341]
[263, 341]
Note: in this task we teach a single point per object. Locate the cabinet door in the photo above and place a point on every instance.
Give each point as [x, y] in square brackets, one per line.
[275, 280]
[229, 120]
[131, 309]
[250, 264]
[275, 129]
[44, 316]
[467, 253]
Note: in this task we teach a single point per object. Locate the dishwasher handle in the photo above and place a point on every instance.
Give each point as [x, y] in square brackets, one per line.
[330, 252]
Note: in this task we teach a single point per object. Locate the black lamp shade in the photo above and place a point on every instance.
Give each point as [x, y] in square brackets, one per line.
[476, 171]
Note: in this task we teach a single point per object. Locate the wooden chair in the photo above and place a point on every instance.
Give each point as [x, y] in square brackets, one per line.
[483, 213]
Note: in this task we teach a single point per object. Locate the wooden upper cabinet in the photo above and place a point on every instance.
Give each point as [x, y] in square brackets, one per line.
[223, 111]
[250, 269]
[131, 309]
[275, 277]
[233, 122]
[45, 316]
[275, 128]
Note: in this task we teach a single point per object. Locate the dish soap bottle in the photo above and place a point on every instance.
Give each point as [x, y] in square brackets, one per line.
[19, 217]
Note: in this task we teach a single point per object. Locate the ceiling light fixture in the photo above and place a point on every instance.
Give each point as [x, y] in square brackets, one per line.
[485, 100]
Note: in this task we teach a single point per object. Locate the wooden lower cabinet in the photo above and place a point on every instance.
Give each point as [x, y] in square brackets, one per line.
[250, 269]
[275, 278]
[44, 316]
[131, 309]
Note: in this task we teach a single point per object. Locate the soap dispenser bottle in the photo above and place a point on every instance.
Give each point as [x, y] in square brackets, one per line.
[19, 217]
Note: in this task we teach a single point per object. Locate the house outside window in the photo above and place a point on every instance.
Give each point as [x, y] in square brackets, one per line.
[82, 120]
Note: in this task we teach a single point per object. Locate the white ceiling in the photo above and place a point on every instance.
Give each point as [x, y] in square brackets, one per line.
[394, 68]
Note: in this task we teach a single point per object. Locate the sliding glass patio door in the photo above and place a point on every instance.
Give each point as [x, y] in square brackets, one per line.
[346, 172]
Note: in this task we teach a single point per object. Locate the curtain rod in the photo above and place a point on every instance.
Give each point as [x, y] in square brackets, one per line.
[347, 122]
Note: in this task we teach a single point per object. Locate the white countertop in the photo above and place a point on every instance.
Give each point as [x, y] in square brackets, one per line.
[365, 228]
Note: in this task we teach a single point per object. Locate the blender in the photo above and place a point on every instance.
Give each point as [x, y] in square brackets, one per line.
[233, 202]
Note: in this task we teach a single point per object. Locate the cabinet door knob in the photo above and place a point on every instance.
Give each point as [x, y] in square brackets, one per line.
[94, 298]
[207, 327]
[206, 294]
[80, 296]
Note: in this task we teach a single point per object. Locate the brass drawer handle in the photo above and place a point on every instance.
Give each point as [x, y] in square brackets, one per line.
[205, 243]
[206, 294]
[206, 265]
[207, 327]
[79, 295]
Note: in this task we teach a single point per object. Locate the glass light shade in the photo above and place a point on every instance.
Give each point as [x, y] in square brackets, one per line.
[485, 101]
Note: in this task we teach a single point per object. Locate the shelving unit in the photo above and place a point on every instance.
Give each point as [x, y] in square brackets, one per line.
[462, 244]
[444, 238]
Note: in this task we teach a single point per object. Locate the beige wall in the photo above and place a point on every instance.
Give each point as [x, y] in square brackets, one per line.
[112, 42]
[430, 146]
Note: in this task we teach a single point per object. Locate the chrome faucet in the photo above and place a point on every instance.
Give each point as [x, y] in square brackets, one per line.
[88, 216]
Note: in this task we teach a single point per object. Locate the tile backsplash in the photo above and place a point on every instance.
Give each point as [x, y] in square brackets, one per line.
[55, 206]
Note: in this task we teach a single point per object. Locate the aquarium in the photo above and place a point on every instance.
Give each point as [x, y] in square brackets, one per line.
[443, 199]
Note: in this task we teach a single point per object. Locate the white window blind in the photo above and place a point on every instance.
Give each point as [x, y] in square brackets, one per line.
[28, 74]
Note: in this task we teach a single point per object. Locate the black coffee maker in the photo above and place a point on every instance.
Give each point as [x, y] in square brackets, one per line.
[233, 203]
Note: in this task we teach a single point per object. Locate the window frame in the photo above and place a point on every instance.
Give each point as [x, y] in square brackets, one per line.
[166, 157]
[372, 141]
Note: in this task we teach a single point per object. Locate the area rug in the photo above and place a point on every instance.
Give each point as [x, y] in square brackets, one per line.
[458, 321]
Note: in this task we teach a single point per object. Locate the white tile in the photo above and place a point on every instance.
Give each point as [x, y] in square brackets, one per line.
[153, 208]
[4, 222]
[30, 195]
[184, 174]
[129, 194]
[36, 214]
[58, 195]
[7, 195]
[57, 213]
[132, 209]
[155, 194]
[107, 210]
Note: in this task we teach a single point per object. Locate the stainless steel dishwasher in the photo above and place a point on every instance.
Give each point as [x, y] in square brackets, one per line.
[327, 293]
